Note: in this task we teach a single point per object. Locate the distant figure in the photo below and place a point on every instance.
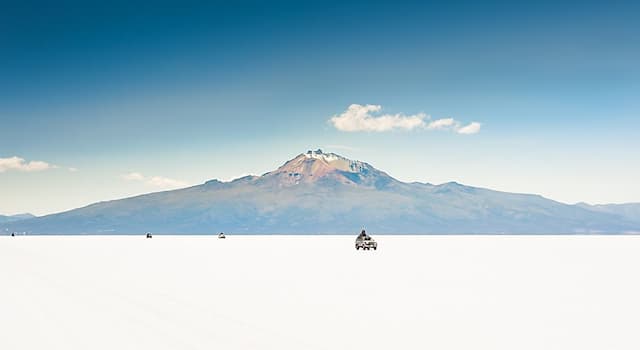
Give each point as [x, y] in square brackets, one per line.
[149, 235]
[221, 235]
[363, 234]
[13, 234]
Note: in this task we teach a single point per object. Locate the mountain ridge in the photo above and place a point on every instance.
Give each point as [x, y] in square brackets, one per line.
[16, 217]
[325, 193]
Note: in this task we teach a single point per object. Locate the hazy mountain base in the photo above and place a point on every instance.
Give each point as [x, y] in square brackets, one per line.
[329, 194]
[239, 207]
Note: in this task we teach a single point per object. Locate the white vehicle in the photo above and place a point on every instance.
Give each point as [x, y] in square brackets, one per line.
[365, 242]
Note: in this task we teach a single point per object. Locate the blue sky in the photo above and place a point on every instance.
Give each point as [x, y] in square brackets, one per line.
[127, 98]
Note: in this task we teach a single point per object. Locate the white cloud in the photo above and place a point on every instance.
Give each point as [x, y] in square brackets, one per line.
[73, 170]
[361, 118]
[19, 164]
[471, 128]
[445, 123]
[155, 181]
[368, 118]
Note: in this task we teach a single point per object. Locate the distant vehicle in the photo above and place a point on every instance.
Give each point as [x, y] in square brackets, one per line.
[149, 235]
[13, 234]
[221, 235]
[365, 241]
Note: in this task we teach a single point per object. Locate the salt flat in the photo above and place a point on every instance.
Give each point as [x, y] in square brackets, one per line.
[318, 292]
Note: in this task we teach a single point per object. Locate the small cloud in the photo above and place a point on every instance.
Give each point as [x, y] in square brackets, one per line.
[362, 118]
[19, 164]
[439, 124]
[73, 170]
[155, 181]
[471, 128]
[368, 118]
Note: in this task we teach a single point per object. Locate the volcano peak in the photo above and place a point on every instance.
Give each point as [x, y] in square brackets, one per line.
[313, 166]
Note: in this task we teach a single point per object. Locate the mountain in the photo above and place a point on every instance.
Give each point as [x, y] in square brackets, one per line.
[325, 193]
[11, 218]
[627, 211]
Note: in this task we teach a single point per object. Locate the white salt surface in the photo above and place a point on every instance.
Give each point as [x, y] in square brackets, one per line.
[306, 292]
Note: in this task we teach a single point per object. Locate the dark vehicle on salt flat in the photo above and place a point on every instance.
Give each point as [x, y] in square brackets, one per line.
[365, 241]
[221, 235]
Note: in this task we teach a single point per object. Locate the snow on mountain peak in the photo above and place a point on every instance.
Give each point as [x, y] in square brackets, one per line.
[337, 161]
[317, 165]
[327, 157]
